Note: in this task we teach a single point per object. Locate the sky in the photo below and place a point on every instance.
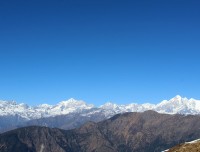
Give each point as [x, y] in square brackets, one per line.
[122, 51]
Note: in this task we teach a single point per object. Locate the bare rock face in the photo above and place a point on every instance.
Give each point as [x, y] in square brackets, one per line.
[129, 132]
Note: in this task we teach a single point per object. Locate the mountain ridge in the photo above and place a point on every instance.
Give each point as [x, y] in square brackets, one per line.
[147, 131]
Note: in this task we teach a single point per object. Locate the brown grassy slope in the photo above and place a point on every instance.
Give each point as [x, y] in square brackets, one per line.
[186, 147]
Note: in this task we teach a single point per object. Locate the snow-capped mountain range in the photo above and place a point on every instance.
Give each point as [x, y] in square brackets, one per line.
[172, 106]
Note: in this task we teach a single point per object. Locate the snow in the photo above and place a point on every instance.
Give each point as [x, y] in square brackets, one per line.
[165, 150]
[172, 106]
[194, 141]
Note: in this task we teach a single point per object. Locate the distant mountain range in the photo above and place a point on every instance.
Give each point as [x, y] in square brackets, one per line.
[148, 131]
[73, 113]
[175, 105]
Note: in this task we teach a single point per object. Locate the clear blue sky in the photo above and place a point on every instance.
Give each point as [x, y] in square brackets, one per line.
[98, 51]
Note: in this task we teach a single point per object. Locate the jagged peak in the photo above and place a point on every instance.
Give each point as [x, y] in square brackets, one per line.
[109, 103]
[72, 101]
[177, 97]
[75, 104]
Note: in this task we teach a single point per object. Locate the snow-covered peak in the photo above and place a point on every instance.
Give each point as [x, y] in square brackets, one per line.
[148, 106]
[44, 106]
[175, 100]
[109, 105]
[177, 97]
[43, 110]
[72, 103]
[69, 106]
[179, 105]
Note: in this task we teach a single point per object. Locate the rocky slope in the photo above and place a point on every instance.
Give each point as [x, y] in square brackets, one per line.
[139, 132]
